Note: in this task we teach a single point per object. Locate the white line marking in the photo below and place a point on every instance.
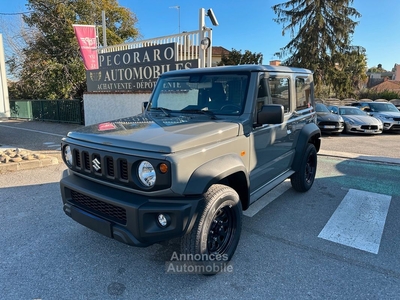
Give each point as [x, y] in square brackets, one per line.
[55, 145]
[358, 221]
[267, 199]
[38, 131]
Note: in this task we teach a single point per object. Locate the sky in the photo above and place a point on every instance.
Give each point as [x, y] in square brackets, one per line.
[248, 24]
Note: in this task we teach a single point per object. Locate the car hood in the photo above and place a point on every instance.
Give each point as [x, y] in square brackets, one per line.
[322, 116]
[389, 114]
[361, 119]
[164, 135]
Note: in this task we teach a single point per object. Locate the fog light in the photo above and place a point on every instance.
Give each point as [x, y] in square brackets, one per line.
[163, 220]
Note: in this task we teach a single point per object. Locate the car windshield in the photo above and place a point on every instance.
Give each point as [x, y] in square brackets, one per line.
[383, 107]
[321, 108]
[351, 111]
[222, 94]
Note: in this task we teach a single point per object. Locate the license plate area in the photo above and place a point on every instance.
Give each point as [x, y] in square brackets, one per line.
[91, 221]
[329, 126]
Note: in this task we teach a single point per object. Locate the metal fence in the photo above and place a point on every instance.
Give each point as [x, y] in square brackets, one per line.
[61, 111]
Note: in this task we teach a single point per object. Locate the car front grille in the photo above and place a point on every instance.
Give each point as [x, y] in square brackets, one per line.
[329, 123]
[100, 208]
[96, 164]
[115, 168]
[369, 127]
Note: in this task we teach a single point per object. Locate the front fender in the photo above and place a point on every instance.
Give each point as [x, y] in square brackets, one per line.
[310, 133]
[214, 171]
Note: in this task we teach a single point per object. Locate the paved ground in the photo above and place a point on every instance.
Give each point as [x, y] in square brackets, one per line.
[30, 144]
[44, 138]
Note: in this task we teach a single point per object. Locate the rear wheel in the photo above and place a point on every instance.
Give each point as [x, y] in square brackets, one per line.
[303, 179]
[216, 232]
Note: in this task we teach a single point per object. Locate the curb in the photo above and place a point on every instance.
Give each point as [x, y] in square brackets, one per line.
[28, 164]
[363, 157]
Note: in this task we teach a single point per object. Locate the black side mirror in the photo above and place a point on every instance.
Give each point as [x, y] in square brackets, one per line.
[270, 114]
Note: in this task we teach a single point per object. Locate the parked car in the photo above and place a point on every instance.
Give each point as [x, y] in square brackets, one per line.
[357, 121]
[384, 111]
[204, 149]
[327, 121]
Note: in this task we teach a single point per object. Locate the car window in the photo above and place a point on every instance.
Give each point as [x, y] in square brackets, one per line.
[279, 88]
[303, 93]
[321, 108]
[383, 107]
[222, 94]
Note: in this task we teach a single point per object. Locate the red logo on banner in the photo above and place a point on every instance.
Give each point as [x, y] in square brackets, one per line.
[86, 35]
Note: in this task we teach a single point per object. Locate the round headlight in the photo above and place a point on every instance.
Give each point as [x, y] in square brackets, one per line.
[68, 155]
[147, 174]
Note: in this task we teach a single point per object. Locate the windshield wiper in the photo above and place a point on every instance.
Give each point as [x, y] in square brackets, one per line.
[163, 109]
[200, 111]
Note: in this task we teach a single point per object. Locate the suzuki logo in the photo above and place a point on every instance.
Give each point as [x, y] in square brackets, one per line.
[96, 164]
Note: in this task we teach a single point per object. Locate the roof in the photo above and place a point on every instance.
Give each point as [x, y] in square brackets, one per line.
[238, 68]
[390, 85]
[218, 50]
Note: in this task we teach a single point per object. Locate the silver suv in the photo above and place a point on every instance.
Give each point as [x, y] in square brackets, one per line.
[209, 144]
[386, 112]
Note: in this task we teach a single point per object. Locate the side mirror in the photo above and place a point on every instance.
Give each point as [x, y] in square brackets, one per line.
[270, 114]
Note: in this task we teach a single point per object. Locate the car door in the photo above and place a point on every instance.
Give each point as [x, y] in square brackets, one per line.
[272, 143]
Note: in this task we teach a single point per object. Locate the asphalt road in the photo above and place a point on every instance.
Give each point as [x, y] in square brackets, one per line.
[46, 255]
[282, 254]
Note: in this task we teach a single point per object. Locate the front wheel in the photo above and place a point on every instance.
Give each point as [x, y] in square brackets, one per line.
[303, 179]
[215, 235]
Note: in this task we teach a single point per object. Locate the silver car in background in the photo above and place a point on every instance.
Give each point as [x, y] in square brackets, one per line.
[357, 121]
[386, 112]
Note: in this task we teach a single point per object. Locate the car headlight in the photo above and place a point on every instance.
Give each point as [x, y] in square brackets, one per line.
[68, 156]
[341, 119]
[147, 174]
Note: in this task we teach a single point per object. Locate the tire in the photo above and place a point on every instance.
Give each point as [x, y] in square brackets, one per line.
[216, 232]
[303, 179]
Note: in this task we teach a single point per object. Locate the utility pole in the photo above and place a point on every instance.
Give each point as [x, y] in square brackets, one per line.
[179, 16]
[4, 100]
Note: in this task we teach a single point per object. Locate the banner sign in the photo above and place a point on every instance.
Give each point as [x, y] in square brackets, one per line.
[86, 36]
[134, 69]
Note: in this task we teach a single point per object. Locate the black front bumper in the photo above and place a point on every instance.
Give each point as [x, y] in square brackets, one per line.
[125, 216]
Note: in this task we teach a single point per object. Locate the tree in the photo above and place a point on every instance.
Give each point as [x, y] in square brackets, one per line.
[377, 69]
[320, 30]
[348, 77]
[236, 57]
[50, 66]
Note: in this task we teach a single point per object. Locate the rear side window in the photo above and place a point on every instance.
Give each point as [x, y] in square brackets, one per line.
[303, 93]
[279, 88]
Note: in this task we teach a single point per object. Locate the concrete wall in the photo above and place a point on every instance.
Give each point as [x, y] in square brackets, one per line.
[100, 107]
[4, 101]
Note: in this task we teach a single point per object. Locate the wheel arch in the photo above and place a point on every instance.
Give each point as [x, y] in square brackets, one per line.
[310, 133]
[228, 170]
